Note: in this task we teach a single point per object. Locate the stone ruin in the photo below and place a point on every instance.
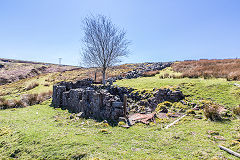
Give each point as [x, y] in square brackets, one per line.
[106, 102]
[85, 98]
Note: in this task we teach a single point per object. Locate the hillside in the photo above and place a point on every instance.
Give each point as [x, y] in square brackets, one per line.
[14, 70]
[225, 68]
[37, 130]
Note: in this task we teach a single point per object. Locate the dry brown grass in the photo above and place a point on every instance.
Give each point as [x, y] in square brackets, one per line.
[4, 104]
[227, 68]
[17, 104]
[236, 110]
[31, 99]
[26, 100]
[31, 86]
[150, 73]
[212, 111]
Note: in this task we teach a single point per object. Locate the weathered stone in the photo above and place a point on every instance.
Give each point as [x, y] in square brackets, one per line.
[80, 115]
[87, 100]
[71, 116]
[106, 102]
[57, 95]
[117, 104]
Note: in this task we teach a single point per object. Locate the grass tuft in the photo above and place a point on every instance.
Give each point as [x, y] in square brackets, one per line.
[212, 111]
[31, 86]
[236, 110]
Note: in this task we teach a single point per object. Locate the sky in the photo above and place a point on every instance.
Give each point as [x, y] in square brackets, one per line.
[159, 30]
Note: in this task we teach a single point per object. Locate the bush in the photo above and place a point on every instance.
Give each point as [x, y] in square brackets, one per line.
[31, 99]
[31, 86]
[4, 104]
[175, 76]
[45, 95]
[18, 104]
[27, 99]
[212, 111]
[165, 75]
[236, 110]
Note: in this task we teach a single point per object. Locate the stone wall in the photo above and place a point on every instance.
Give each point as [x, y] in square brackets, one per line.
[106, 102]
[91, 101]
[138, 72]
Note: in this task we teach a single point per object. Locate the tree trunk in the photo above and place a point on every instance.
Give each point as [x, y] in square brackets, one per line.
[103, 76]
[95, 76]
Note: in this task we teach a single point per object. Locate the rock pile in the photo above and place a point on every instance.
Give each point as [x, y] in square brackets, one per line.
[142, 68]
[106, 103]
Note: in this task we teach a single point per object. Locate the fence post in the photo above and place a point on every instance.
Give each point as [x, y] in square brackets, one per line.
[125, 105]
[95, 76]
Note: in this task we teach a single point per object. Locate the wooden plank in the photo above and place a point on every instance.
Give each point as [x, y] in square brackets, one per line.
[175, 121]
[229, 151]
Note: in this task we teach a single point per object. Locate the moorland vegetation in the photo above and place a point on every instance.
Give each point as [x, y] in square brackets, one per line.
[39, 131]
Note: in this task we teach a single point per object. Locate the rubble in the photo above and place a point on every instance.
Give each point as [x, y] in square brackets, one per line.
[106, 102]
[138, 72]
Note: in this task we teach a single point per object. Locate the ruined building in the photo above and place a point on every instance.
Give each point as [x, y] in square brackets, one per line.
[83, 97]
[106, 103]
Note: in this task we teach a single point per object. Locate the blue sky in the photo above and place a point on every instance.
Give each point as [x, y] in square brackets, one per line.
[160, 30]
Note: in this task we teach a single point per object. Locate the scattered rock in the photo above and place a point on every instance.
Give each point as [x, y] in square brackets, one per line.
[162, 115]
[221, 138]
[140, 70]
[80, 115]
[173, 115]
[71, 116]
[213, 132]
[198, 116]
[236, 84]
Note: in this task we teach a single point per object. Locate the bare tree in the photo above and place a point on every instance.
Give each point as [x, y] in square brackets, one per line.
[104, 44]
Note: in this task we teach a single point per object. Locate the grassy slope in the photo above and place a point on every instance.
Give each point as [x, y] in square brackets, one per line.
[16, 89]
[41, 131]
[219, 90]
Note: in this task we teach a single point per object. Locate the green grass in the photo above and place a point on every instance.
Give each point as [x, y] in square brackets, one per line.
[219, 90]
[41, 131]
[16, 89]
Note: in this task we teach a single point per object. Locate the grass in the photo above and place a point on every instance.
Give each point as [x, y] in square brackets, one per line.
[218, 68]
[42, 132]
[219, 90]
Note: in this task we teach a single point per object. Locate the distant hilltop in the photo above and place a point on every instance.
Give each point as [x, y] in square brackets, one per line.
[24, 61]
[13, 70]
